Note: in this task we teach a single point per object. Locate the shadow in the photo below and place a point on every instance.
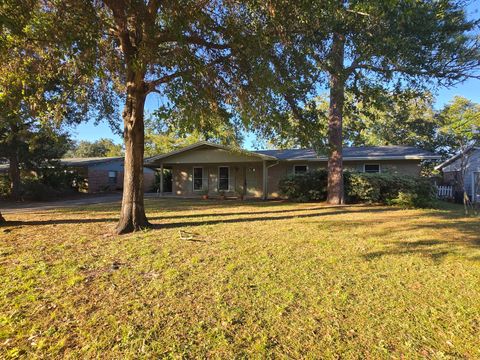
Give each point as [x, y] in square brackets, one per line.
[451, 219]
[252, 218]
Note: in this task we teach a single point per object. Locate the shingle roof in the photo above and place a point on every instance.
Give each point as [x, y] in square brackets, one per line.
[75, 162]
[355, 153]
[88, 161]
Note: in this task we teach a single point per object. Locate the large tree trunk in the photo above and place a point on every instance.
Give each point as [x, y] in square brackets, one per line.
[2, 219]
[132, 215]
[14, 174]
[337, 95]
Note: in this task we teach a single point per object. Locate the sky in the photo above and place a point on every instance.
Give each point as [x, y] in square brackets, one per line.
[470, 89]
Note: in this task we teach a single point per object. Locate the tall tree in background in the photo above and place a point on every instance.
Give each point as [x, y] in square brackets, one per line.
[367, 47]
[98, 148]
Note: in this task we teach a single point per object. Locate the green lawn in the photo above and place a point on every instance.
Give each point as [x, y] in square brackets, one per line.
[257, 280]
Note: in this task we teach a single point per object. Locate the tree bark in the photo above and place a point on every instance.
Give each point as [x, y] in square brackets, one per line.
[132, 215]
[335, 139]
[14, 174]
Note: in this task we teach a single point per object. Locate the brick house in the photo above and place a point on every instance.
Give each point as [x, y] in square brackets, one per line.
[207, 168]
[104, 173]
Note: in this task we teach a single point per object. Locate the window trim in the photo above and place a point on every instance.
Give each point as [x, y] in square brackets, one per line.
[218, 182]
[193, 178]
[370, 172]
[295, 166]
[112, 179]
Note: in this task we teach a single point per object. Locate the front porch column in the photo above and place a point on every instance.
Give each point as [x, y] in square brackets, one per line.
[265, 180]
[161, 179]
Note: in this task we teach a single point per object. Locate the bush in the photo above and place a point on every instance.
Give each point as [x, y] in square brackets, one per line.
[34, 189]
[311, 186]
[400, 190]
[389, 189]
[4, 186]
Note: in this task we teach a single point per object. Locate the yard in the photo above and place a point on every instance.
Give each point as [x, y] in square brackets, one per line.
[241, 279]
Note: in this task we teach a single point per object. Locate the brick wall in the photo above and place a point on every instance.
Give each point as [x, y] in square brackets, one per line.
[98, 180]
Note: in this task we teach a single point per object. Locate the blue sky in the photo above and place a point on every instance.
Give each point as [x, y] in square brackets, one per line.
[469, 89]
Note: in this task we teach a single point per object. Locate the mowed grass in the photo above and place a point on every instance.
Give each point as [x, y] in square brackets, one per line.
[261, 280]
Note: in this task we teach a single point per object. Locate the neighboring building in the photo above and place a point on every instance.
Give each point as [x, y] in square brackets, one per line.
[451, 169]
[100, 173]
[206, 168]
[104, 173]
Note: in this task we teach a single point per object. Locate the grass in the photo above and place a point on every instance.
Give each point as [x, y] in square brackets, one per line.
[254, 279]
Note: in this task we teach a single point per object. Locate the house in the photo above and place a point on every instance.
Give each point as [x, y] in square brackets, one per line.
[207, 168]
[451, 169]
[98, 173]
[104, 173]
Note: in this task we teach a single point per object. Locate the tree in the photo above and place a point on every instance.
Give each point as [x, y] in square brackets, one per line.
[38, 86]
[98, 148]
[201, 58]
[461, 123]
[367, 47]
[29, 146]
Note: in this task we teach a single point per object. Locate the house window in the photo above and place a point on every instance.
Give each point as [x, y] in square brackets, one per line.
[197, 178]
[223, 177]
[112, 177]
[300, 169]
[371, 168]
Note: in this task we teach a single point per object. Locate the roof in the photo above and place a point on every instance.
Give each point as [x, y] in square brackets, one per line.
[88, 161]
[75, 162]
[455, 157]
[208, 144]
[356, 153]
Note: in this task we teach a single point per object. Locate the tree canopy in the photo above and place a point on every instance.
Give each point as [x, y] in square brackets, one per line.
[98, 148]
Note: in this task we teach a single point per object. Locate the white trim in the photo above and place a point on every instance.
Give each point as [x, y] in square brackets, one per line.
[379, 168]
[295, 165]
[218, 179]
[193, 178]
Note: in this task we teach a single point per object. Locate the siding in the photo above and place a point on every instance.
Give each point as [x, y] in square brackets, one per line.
[473, 166]
[183, 182]
[182, 177]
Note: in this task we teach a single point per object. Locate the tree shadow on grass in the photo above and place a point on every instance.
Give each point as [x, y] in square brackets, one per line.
[219, 217]
[437, 248]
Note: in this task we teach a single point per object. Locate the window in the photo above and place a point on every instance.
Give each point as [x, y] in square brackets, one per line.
[112, 177]
[223, 177]
[197, 178]
[300, 169]
[371, 168]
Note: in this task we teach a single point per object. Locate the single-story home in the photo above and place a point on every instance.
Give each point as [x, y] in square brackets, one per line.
[451, 169]
[207, 168]
[99, 173]
[104, 173]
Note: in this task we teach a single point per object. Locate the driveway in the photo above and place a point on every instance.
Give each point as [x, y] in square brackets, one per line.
[10, 208]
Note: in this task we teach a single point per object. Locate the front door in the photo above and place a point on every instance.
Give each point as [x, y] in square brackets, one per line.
[167, 180]
[251, 180]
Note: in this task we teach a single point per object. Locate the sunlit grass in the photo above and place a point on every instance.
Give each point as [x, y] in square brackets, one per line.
[253, 280]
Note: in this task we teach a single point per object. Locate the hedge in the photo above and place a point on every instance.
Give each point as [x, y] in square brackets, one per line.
[389, 189]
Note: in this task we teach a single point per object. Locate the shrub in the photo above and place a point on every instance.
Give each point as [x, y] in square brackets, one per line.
[400, 190]
[311, 186]
[4, 185]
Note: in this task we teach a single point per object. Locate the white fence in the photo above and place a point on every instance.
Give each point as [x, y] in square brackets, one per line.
[445, 192]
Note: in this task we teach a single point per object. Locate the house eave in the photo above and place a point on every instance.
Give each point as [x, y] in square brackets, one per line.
[370, 158]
